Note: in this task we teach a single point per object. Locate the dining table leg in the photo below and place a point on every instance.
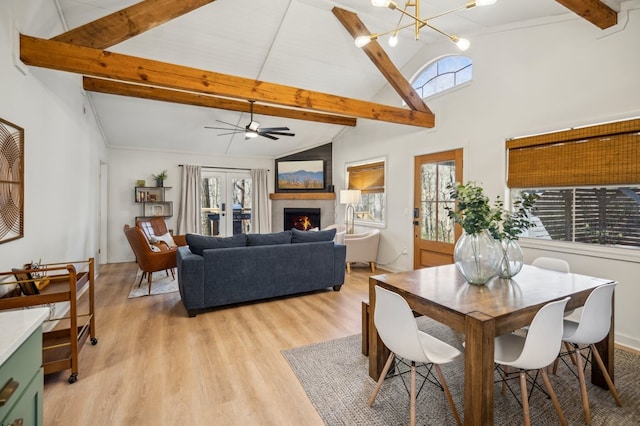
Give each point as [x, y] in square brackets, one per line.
[480, 333]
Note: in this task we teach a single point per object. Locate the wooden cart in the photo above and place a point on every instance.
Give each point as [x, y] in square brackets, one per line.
[54, 283]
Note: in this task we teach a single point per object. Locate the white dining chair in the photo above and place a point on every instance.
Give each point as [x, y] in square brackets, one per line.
[398, 330]
[593, 326]
[536, 351]
[553, 264]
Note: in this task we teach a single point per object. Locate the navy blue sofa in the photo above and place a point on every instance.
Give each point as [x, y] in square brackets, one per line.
[215, 272]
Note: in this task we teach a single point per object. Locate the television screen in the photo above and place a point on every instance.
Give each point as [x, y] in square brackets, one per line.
[301, 174]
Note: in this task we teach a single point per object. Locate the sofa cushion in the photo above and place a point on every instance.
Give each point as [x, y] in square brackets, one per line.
[312, 237]
[269, 239]
[199, 243]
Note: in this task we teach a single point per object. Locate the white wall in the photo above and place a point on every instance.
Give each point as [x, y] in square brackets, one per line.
[549, 76]
[63, 147]
[127, 166]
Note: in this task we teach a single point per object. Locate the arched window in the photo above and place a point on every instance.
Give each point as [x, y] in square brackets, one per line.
[442, 74]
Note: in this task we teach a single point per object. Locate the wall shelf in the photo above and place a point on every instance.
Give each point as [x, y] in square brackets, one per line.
[302, 196]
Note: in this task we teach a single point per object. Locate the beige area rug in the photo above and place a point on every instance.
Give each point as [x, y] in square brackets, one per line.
[334, 375]
[161, 284]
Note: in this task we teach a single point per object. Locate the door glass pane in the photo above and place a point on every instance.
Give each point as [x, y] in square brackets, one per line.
[211, 199]
[436, 225]
[241, 205]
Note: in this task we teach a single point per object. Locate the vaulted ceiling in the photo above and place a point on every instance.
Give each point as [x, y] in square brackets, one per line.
[171, 71]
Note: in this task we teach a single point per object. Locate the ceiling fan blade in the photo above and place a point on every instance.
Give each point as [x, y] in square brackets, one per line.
[222, 128]
[230, 133]
[229, 124]
[266, 135]
[279, 133]
[276, 129]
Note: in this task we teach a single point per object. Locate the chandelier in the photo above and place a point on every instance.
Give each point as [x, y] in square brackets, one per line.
[462, 43]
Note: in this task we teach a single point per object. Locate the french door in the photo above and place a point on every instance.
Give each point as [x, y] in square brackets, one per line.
[434, 233]
[226, 203]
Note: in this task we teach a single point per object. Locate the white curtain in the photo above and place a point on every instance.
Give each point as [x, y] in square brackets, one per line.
[189, 216]
[260, 206]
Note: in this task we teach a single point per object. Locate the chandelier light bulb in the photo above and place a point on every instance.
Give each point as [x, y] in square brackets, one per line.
[463, 44]
[380, 3]
[393, 39]
[485, 2]
[363, 41]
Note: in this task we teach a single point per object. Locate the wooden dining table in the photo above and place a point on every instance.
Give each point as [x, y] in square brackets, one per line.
[483, 312]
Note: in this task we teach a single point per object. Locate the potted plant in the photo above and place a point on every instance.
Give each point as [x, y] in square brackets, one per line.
[160, 178]
[476, 253]
[508, 227]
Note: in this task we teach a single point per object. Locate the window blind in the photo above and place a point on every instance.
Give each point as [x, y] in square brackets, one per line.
[605, 154]
[368, 178]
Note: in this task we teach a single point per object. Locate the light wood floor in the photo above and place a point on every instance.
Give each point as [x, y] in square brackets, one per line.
[153, 365]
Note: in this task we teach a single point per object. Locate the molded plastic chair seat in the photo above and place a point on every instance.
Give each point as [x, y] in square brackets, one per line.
[398, 330]
[534, 352]
[593, 326]
[553, 264]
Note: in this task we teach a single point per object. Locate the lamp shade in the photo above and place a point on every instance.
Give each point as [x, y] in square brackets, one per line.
[349, 196]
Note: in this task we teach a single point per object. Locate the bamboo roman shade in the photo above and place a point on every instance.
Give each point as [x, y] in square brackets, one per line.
[368, 178]
[607, 154]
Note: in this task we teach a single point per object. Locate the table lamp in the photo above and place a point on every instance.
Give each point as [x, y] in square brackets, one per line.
[349, 197]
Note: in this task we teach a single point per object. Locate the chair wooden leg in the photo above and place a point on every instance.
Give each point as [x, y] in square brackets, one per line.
[525, 398]
[567, 345]
[554, 398]
[150, 278]
[452, 404]
[383, 375]
[373, 266]
[348, 268]
[412, 402]
[144, 274]
[583, 386]
[605, 373]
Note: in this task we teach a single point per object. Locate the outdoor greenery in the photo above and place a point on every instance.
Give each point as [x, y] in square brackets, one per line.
[509, 224]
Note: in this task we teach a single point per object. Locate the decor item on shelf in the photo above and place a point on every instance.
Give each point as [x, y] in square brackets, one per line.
[462, 43]
[160, 178]
[510, 224]
[141, 183]
[350, 197]
[476, 253]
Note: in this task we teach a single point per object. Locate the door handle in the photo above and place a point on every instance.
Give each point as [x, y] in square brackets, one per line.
[7, 390]
[416, 223]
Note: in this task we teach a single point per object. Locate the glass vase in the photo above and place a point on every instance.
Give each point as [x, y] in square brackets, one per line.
[511, 258]
[477, 257]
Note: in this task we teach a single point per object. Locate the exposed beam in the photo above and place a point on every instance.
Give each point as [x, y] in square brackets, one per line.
[166, 95]
[381, 60]
[98, 63]
[593, 11]
[129, 22]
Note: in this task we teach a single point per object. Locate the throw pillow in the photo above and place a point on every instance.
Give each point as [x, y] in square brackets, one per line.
[199, 243]
[312, 237]
[167, 238]
[269, 239]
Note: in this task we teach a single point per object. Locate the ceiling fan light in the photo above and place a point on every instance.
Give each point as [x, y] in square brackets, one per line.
[251, 134]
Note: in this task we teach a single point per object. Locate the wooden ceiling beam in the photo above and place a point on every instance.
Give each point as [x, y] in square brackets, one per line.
[175, 96]
[352, 23]
[593, 11]
[129, 22]
[98, 63]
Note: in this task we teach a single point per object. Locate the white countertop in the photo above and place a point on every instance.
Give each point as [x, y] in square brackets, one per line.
[16, 327]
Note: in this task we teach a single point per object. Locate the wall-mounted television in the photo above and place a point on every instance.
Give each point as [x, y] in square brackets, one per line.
[300, 175]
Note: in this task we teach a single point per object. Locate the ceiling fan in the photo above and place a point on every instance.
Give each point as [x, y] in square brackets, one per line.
[253, 129]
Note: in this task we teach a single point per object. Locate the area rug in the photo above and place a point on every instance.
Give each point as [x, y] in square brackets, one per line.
[334, 374]
[161, 283]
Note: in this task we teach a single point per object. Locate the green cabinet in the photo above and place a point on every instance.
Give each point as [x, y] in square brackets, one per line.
[22, 383]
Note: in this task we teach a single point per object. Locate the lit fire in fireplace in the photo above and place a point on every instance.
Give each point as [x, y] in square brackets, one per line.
[303, 223]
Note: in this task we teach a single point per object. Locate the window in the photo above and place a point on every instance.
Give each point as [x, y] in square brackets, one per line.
[442, 74]
[588, 180]
[369, 179]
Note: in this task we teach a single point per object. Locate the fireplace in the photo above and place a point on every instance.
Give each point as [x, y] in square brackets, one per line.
[302, 218]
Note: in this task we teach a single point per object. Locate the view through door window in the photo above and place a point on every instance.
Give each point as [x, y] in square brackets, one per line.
[226, 204]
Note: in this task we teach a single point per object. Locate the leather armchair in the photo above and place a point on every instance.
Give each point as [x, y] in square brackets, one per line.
[148, 260]
[362, 248]
[155, 227]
